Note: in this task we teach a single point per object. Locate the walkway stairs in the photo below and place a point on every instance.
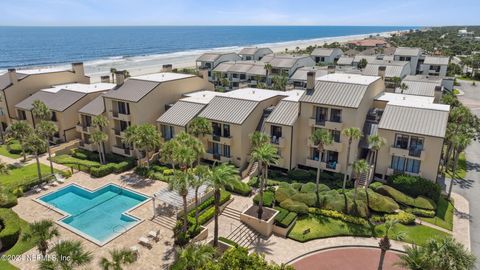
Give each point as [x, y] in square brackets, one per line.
[164, 221]
[243, 235]
[231, 213]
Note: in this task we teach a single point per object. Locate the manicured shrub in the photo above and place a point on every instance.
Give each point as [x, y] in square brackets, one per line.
[158, 168]
[375, 185]
[284, 223]
[268, 198]
[10, 228]
[167, 172]
[294, 206]
[402, 217]
[7, 199]
[283, 193]
[425, 203]
[239, 187]
[282, 213]
[377, 219]
[296, 186]
[398, 196]
[421, 212]
[79, 155]
[312, 187]
[338, 215]
[415, 186]
[103, 170]
[142, 171]
[378, 202]
[309, 199]
[15, 148]
[301, 175]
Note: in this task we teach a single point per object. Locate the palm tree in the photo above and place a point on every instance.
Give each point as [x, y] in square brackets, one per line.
[113, 71]
[181, 183]
[199, 179]
[376, 143]
[403, 87]
[414, 258]
[100, 122]
[69, 255]
[320, 138]
[460, 142]
[46, 129]
[351, 133]
[219, 177]
[446, 254]
[36, 145]
[20, 131]
[144, 137]
[280, 82]
[41, 111]
[167, 152]
[258, 139]
[396, 81]
[187, 150]
[359, 167]
[384, 243]
[199, 127]
[268, 69]
[194, 256]
[40, 233]
[265, 155]
[120, 257]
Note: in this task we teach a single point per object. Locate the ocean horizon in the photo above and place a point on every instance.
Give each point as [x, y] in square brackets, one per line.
[38, 46]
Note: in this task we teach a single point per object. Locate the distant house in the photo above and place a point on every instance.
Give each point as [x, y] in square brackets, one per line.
[241, 72]
[369, 43]
[435, 66]
[255, 54]
[411, 55]
[326, 55]
[287, 64]
[387, 70]
[209, 61]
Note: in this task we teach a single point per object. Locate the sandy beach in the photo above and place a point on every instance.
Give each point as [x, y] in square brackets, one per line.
[139, 65]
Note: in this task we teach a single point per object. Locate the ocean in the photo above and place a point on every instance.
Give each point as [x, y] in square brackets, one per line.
[46, 46]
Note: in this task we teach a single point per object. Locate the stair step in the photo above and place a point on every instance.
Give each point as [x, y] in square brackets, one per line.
[165, 221]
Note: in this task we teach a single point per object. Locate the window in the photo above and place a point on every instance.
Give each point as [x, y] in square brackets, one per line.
[336, 115]
[216, 148]
[123, 125]
[167, 132]
[320, 115]
[22, 115]
[332, 160]
[413, 166]
[336, 135]
[416, 146]
[275, 134]
[123, 108]
[226, 150]
[87, 120]
[216, 129]
[54, 117]
[398, 163]
[314, 154]
[226, 130]
[401, 141]
[401, 164]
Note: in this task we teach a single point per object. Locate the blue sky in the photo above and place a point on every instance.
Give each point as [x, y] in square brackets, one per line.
[244, 12]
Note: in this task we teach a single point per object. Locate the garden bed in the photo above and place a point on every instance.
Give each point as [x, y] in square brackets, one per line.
[264, 226]
[443, 216]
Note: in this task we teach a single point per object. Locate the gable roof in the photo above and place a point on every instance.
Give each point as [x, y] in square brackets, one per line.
[345, 60]
[301, 73]
[407, 51]
[419, 88]
[323, 51]
[5, 79]
[132, 90]
[56, 101]
[436, 60]
[285, 113]
[252, 50]
[181, 113]
[393, 68]
[94, 107]
[282, 61]
[230, 110]
[211, 56]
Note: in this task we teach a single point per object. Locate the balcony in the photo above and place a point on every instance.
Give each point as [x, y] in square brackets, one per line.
[335, 146]
[312, 122]
[119, 116]
[217, 157]
[409, 153]
[391, 171]
[83, 129]
[122, 151]
[327, 166]
[335, 125]
[279, 142]
[88, 146]
[219, 139]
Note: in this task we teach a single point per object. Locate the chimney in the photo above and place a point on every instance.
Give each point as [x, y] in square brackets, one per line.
[381, 71]
[120, 77]
[78, 68]
[105, 79]
[203, 73]
[167, 68]
[330, 69]
[12, 74]
[310, 80]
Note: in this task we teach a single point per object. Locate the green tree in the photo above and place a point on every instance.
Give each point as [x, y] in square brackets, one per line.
[46, 129]
[119, 258]
[351, 133]
[460, 142]
[113, 71]
[199, 127]
[40, 233]
[362, 63]
[220, 176]
[69, 255]
[414, 258]
[98, 137]
[403, 87]
[396, 81]
[36, 145]
[320, 138]
[280, 82]
[265, 155]
[181, 183]
[384, 242]
[258, 139]
[4, 169]
[194, 257]
[359, 167]
[41, 111]
[144, 137]
[20, 130]
[448, 254]
[239, 258]
[199, 178]
[376, 143]
[268, 70]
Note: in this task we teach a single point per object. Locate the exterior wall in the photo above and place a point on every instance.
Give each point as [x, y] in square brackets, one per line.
[429, 160]
[426, 70]
[302, 62]
[329, 59]
[413, 62]
[287, 158]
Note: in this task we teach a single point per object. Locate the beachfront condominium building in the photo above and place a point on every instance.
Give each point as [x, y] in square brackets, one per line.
[286, 65]
[208, 61]
[326, 55]
[64, 101]
[254, 53]
[389, 70]
[17, 85]
[142, 99]
[299, 79]
[334, 102]
[85, 127]
[419, 85]
[237, 74]
[435, 66]
[412, 55]
[234, 116]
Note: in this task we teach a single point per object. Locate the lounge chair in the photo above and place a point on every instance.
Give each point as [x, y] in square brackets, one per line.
[155, 235]
[44, 186]
[36, 189]
[60, 179]
[144, 241]
[53, 184]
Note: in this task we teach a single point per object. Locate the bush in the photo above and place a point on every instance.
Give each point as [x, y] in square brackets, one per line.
[103, 170]
[308, 187]
[301, 175]
[294, 206]
[402, 217]
[15, 148]
[268, 198]
[375, 185]
[421, 212]
[400, 197]
[10, 228]
[377, 202]
[239, 187]
[309, 199]
[79, 155]
[282, 213]
[425, 203]
[284, 223]
[207, 209]
[296, 186]
[338, 215]
[284, 192]
[158, 168]
[415, 186]
[167, 172]
[7, 199]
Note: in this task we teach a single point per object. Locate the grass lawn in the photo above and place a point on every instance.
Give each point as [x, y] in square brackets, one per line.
[444, 215]
[4, 152]
[23, 175]
[322, 227]
[19, 248]
[461, 168]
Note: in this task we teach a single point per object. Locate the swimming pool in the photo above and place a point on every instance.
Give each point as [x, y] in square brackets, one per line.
[98, 215]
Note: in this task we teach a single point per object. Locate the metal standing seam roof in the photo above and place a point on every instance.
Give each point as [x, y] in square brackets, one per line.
[241, 67]
[94, 107]
[322, 51]
[337, 94]
[391, 70]
[132, 90]
[301, 73]
[211, 57]
[5, 79]
[406, 51]
[423, 121]
[419, 88]
[58, 101]
[223, 67]
[181, 113]
[345, 60]
[285, 113]
[436, 60]
[282, 61]
[357, 58]
[229, 110]
[257, 69]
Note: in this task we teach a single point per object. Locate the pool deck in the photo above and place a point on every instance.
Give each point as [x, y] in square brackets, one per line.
[157, 257]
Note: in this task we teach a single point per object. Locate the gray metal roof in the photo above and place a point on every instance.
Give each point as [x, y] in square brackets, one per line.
[241, 67]
[345, 60]
[132, 90]
[181, 113]
[301, 73]
[230, 110]
[248, 51]
[391, 70]
[419, 88]
[285, 113]
[369, 58]
[257, 69]
[437, 60]
[58, 101]
[424, 78]
[322, 51]
[417, 120]
[94, 107]
[336, 94]
[282, 61]
[211, 57]
[224, 67]
[5, 79]
[406, 51]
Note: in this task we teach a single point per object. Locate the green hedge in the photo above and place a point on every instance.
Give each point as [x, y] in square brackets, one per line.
[239, 187]
[309, 199]
[285, 222]
[7, 199]
[207, 209]
[375, 185]
[284, 192]
[378, 202]
[415, 186]
[421, 212]
[294, 206]
[15, 148]
[402, 217]
[425, 203]
[268, 198]
[312, 187]
[402, 198]
[338, 215]
[10, 228]
[282, 213]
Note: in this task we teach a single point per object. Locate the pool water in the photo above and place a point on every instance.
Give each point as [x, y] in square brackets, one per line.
[98, 214]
